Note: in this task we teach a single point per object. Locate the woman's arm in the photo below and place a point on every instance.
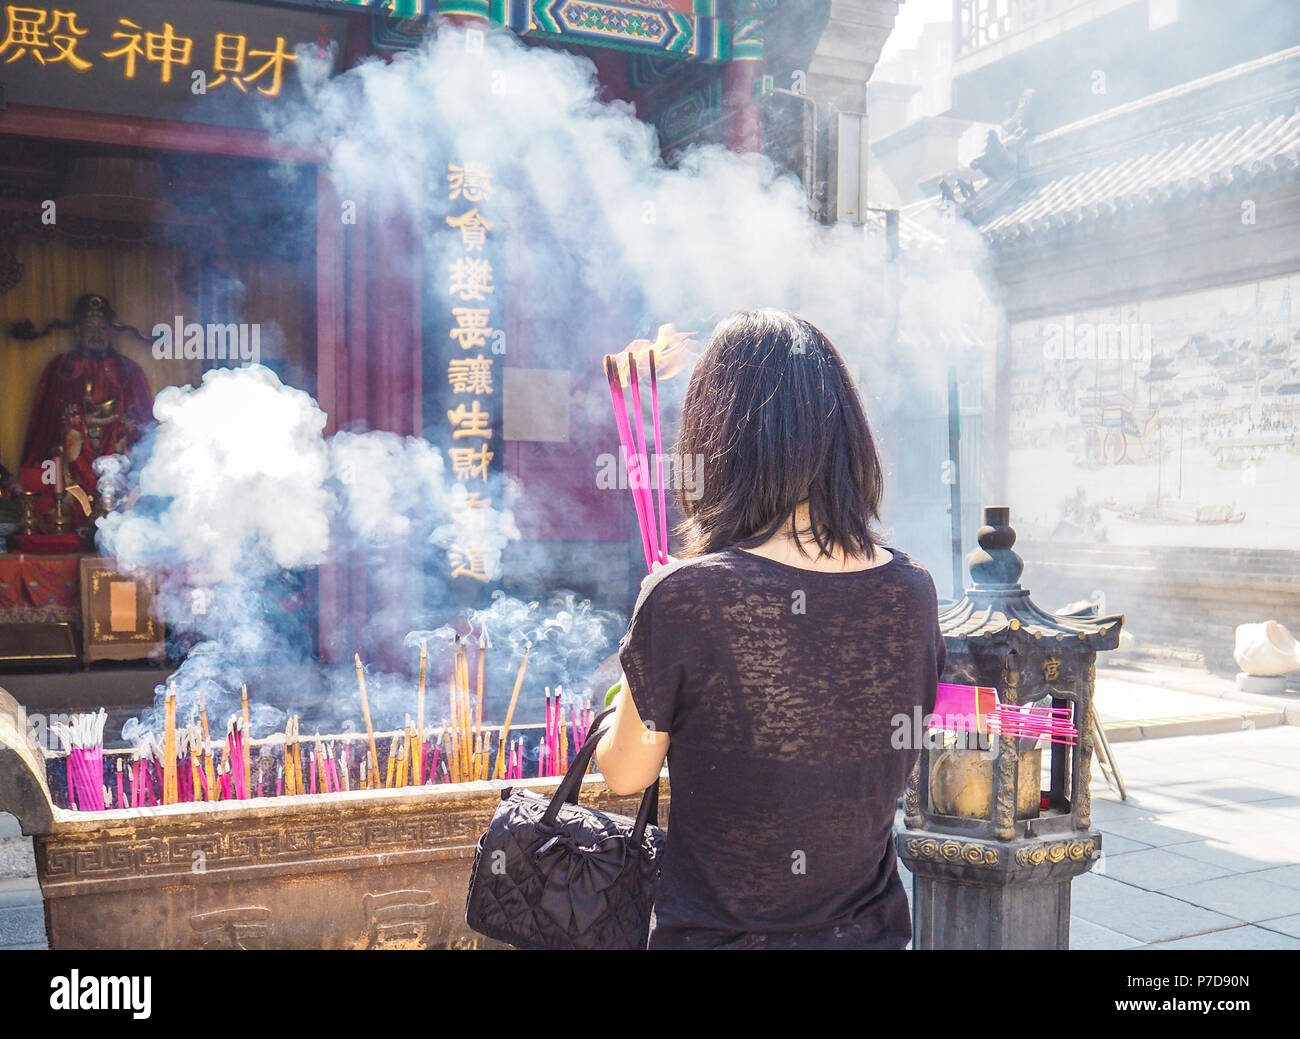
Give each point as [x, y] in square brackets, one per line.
[630, 755]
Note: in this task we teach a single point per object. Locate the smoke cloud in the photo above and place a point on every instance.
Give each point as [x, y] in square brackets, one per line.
[238, 492]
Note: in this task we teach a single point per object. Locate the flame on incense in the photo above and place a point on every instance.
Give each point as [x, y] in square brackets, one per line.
[672, 354]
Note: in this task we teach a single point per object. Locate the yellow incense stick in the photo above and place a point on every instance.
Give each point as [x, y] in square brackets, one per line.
[208, 770]
[194, 765]
[289, 786]
[392, 762]
[365, 709]
[300, 775]
[510, 712]
[419, 750]
[482, 660]
[169, 749]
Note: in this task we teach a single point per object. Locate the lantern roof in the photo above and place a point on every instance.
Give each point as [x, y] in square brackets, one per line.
[997, 611]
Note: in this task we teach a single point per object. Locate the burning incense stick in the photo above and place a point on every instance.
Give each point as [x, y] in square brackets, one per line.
[419, 712]
[433, 764]
[510, 711]
[392, 763]
[169, 749]
[642, 463]
[564, 736]
[211, 776]
[550, 723]
[482, 663]
[629, 449]
[365, 709]
[659, 459]
[466, 717]
[404, 757]
[196, 773]
[452, 721]
[299, 774]
[243, 736]
[288, 758]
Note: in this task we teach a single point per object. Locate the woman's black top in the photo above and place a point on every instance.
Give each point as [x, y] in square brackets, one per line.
[790, 696]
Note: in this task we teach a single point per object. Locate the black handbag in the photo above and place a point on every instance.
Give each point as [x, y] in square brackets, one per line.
[556, 875]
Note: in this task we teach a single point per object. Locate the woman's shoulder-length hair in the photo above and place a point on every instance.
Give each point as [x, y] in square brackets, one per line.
[773, 420]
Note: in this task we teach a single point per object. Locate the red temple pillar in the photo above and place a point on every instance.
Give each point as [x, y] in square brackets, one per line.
[369, 356]
[741, 79]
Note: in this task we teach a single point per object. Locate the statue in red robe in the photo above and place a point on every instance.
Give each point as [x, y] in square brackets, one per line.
[91, 401]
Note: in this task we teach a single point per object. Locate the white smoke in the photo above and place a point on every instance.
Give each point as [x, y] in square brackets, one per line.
[604, 243]
[599, 226]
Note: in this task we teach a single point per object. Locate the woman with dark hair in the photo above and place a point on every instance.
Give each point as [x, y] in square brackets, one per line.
[778, 665]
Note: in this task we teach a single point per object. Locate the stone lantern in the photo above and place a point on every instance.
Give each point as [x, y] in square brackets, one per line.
[993, 835]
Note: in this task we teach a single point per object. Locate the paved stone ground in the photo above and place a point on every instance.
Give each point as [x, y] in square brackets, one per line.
[22, 919]
[1204, 854]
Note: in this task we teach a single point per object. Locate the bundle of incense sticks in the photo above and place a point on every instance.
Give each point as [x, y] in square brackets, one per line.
[83, 739]
[469, 743]
[186, 764]
[1032, 722]
[631, 433]
[286, 768]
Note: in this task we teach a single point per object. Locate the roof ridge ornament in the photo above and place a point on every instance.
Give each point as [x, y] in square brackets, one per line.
[994, 563]
[996, 610]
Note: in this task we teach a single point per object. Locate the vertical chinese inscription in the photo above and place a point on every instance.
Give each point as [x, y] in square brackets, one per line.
[472, 376]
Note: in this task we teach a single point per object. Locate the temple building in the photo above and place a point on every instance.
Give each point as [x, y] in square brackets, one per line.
[153, 227]
[1143, 217]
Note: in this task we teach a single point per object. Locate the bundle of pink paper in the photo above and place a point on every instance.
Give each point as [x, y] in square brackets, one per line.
[83, 739]
[970, 708]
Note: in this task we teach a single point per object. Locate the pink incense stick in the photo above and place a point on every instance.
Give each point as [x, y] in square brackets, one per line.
[546, 736]
[311, 769]
[556, 725]
[659, 461]
[642, 461]
[279, 780]
[629, 453]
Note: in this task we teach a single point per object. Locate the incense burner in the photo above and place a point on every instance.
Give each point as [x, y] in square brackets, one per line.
[994, 839]
[376, 869]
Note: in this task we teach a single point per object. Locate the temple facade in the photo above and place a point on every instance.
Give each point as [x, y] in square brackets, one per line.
[136, 163]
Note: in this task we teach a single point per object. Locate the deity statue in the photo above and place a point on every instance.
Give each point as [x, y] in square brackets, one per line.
[91, 401]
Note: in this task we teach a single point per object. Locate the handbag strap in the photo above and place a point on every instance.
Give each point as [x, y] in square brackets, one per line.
[647, 814]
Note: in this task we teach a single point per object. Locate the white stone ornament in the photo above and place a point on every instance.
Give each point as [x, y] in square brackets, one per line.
[1266, 649]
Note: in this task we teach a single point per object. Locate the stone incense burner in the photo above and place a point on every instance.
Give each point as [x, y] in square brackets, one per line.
[368, 869]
